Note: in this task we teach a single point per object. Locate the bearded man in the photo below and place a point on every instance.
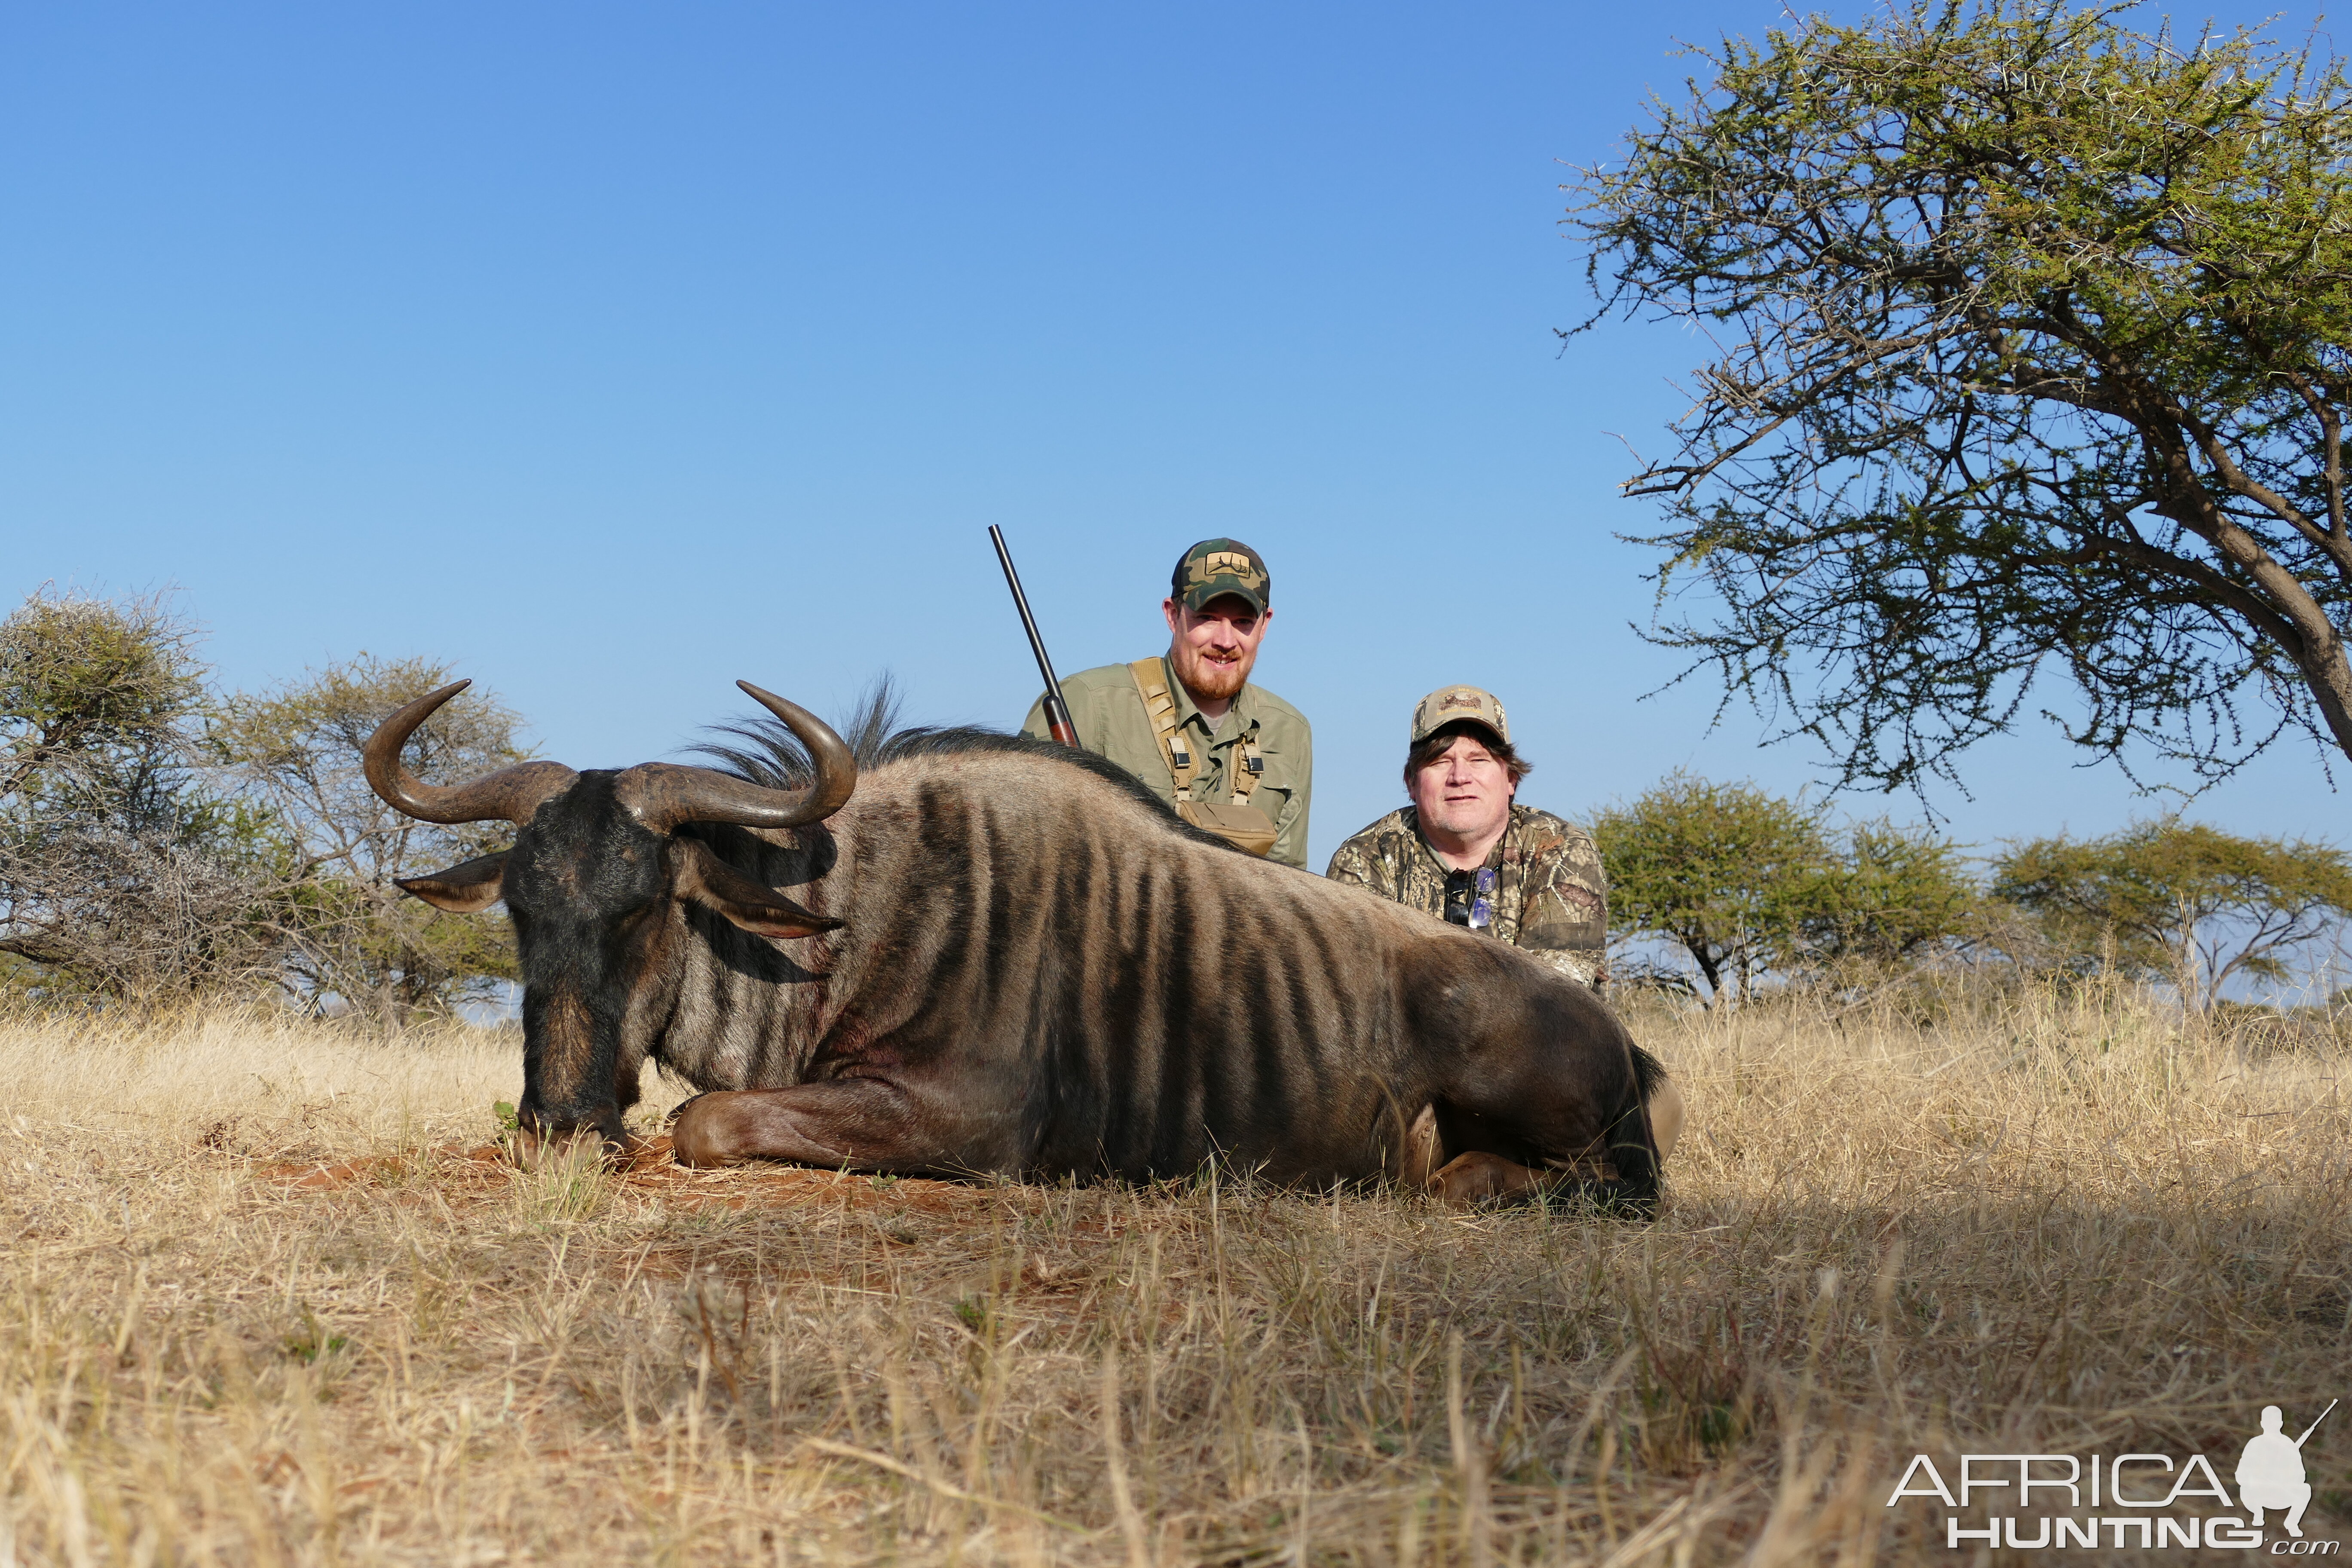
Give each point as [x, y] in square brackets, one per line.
[1230, 757]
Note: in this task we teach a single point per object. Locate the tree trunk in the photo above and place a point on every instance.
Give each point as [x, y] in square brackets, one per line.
[1703, 952]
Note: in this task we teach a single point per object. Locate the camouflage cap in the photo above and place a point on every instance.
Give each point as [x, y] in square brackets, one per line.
[1456, 705]
[1215, 567]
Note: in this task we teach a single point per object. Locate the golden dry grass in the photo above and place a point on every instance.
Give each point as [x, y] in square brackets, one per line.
[256, 1310]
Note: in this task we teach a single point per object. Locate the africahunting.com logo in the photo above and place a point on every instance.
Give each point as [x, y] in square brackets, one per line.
[2272, 1492]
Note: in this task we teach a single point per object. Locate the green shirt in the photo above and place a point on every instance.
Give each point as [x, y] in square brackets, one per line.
[1108, 713]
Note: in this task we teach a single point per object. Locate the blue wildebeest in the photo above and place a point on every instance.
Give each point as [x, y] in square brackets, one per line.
[986, 954]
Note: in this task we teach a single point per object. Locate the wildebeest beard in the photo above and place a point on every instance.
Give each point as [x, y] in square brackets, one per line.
[979, 954]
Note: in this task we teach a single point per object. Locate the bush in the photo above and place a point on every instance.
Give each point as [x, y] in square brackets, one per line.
[126, 870]
[2178, 903]
[157, 842]
[1749, 884]
[350, 933]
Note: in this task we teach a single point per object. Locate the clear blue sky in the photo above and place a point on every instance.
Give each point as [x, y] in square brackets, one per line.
[613, 352]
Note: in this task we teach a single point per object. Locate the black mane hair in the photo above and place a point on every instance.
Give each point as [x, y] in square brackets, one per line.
[762, 751]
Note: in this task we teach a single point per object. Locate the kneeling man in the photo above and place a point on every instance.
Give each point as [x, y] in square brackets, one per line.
[1468, 852]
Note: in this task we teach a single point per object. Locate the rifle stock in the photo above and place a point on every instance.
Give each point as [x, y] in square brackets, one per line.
[1057, 712]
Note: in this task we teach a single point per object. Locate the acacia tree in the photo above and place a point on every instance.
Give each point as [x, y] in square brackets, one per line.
[351, 933]
[2035, 350]
[1896, 895]
[1721, 870]
[126, 870]
[1746, 884]
[2180, 901]
[82, 677]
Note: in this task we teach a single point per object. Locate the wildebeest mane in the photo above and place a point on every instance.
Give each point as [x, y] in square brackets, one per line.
[762, 751]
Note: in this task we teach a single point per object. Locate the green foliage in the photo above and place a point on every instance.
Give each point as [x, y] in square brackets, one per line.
[312, 1339]
[2035, 353]
[352, 933]
[1895, 895]
[81, 677]
[126, 869]
[156, 841]
[2180, 902]
[1725, 870]
[1748, 883]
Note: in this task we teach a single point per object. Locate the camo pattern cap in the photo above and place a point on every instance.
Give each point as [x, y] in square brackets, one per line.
[1456, 705]
[1551, 896]
[1215, 567]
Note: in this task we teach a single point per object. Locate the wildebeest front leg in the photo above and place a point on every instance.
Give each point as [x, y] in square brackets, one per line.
[868, 1124]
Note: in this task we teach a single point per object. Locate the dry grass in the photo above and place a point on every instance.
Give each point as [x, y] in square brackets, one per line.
[255, 1312]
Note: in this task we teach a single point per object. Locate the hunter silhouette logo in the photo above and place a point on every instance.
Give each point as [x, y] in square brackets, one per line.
[2270, 1472]
[2269, 1479]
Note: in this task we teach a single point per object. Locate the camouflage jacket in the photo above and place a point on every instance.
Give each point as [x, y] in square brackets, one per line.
[1108, 713]
[1543, 887]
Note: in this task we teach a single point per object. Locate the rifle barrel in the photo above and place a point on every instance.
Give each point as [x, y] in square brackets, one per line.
[2314, 1425]
[1057, 712]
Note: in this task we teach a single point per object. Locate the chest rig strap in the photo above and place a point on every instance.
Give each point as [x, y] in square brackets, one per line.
[1160, 707]
[1168, 725]
[1252, 764]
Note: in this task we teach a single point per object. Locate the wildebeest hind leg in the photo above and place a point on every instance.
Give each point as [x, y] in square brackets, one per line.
[1469, 1179]
[868, 1124]
[1482, 1178]
[1551, 1129]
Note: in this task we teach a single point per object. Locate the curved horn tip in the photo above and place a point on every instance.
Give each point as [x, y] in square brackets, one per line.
[433, 699]
[511, 795]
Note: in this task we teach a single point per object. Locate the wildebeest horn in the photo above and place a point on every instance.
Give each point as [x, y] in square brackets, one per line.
[665, 795]
[511, 795]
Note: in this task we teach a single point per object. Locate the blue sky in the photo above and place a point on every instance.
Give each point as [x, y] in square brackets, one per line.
[613, 352]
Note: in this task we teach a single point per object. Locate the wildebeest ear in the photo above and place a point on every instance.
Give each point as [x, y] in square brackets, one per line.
[755, 907]
[462, 889]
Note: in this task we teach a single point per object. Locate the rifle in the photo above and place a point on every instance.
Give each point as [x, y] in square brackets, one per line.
[1057, 712]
